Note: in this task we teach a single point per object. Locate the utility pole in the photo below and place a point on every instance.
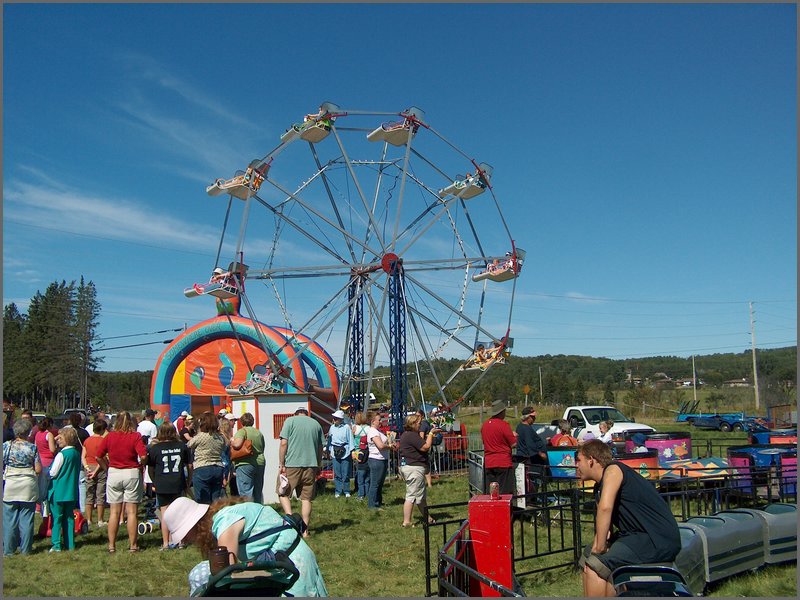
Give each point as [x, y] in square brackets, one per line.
[694, 379]
[753, 345]
[541, 393]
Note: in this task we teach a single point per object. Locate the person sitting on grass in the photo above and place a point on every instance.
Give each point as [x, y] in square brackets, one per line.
[250, 531]
[644, 529]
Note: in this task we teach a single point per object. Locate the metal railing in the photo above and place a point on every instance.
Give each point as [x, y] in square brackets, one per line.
[549, 532]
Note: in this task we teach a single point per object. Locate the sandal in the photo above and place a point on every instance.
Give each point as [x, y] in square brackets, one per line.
[431, 521]
[409, 525]
[134, 549]
[112, 550]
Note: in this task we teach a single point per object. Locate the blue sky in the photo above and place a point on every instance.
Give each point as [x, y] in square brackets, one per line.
[644, 156]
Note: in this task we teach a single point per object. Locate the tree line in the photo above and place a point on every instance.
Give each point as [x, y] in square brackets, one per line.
[48, 353]
[50, 362]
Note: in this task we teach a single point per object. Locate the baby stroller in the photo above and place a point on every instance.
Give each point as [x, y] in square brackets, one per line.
[253, 579]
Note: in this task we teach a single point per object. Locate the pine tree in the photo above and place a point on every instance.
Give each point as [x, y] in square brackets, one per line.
[14, 356]
[87, 314]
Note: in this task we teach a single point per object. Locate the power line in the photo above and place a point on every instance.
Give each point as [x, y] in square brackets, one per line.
[130, 346]
[116, 337]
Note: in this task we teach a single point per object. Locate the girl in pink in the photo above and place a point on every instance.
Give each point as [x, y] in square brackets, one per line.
[46, 445]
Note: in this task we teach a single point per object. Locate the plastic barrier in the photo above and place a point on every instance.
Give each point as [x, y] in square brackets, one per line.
[766, 437]
[645, 463]
[562, 462]
[747, 461]
[670, 446]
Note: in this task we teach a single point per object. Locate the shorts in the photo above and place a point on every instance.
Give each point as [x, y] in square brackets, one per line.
[302, 480]
[124, 485]
[166, 499]
[618, 555]
[96, 488]
[415, 483]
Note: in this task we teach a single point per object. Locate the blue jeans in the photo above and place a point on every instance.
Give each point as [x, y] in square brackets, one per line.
[250, 481]
[362, 480]
[377, 475]
[341, 474]
[207, 482]
[18, 523]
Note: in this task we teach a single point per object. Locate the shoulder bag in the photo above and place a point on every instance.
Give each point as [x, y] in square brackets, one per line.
[243, 452]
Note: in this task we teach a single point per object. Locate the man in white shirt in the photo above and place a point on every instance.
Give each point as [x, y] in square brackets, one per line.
[147, 427]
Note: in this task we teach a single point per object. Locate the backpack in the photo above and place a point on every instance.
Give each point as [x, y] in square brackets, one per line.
[567, 440]
[362, 454]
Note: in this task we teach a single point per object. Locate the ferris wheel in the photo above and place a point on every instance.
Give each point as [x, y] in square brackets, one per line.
[373, 235]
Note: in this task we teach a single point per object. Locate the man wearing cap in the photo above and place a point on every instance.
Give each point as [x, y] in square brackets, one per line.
[147, 428]
[498, 441]
[181, 421]
[531, 448]
[340, 447]
[644, 529]
[300, 461]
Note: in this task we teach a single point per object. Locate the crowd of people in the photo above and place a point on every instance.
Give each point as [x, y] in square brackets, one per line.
[205, 477]
[202, 476]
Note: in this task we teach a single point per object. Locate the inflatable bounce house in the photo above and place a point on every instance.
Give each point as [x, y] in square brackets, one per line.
[193, 372]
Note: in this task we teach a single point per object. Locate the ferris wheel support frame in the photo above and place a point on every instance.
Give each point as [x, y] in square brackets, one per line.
[355, 351]
[397, 344]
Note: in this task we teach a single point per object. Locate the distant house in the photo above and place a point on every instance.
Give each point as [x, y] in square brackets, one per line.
[732, 383]
[686, 382]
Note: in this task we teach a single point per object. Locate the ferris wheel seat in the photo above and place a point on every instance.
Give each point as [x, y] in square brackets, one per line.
[463, 189]
[236, 186]
[503, 275]
[222, 291]
[396, 134]
[499, 276]
[219, 290]
[315, 133]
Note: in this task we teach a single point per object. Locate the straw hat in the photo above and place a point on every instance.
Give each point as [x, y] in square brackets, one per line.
[181, 516]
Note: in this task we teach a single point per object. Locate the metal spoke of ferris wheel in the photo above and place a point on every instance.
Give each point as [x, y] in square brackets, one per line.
[445, 303]
[323, 218]
[359, 190]
[335, 208]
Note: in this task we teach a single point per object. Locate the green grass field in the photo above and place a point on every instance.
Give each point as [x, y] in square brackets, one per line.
[361, 553]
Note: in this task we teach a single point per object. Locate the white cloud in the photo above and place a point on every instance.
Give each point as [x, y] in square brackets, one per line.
[147, 68]
[78, 212]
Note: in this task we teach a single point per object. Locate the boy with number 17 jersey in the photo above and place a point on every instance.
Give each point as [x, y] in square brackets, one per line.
[168, 464]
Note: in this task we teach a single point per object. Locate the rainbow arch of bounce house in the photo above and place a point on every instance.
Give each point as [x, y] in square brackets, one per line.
[210, 356]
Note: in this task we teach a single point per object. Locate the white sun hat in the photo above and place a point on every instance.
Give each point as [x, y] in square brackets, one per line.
[181, 516]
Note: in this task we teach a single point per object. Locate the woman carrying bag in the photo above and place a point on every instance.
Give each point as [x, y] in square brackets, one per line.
[247, 453]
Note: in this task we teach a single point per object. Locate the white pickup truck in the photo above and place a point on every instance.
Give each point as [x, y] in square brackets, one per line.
[587, 418]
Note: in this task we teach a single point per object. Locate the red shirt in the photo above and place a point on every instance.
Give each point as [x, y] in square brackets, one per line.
[498, 439]
[124, 449]
[91, 445]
